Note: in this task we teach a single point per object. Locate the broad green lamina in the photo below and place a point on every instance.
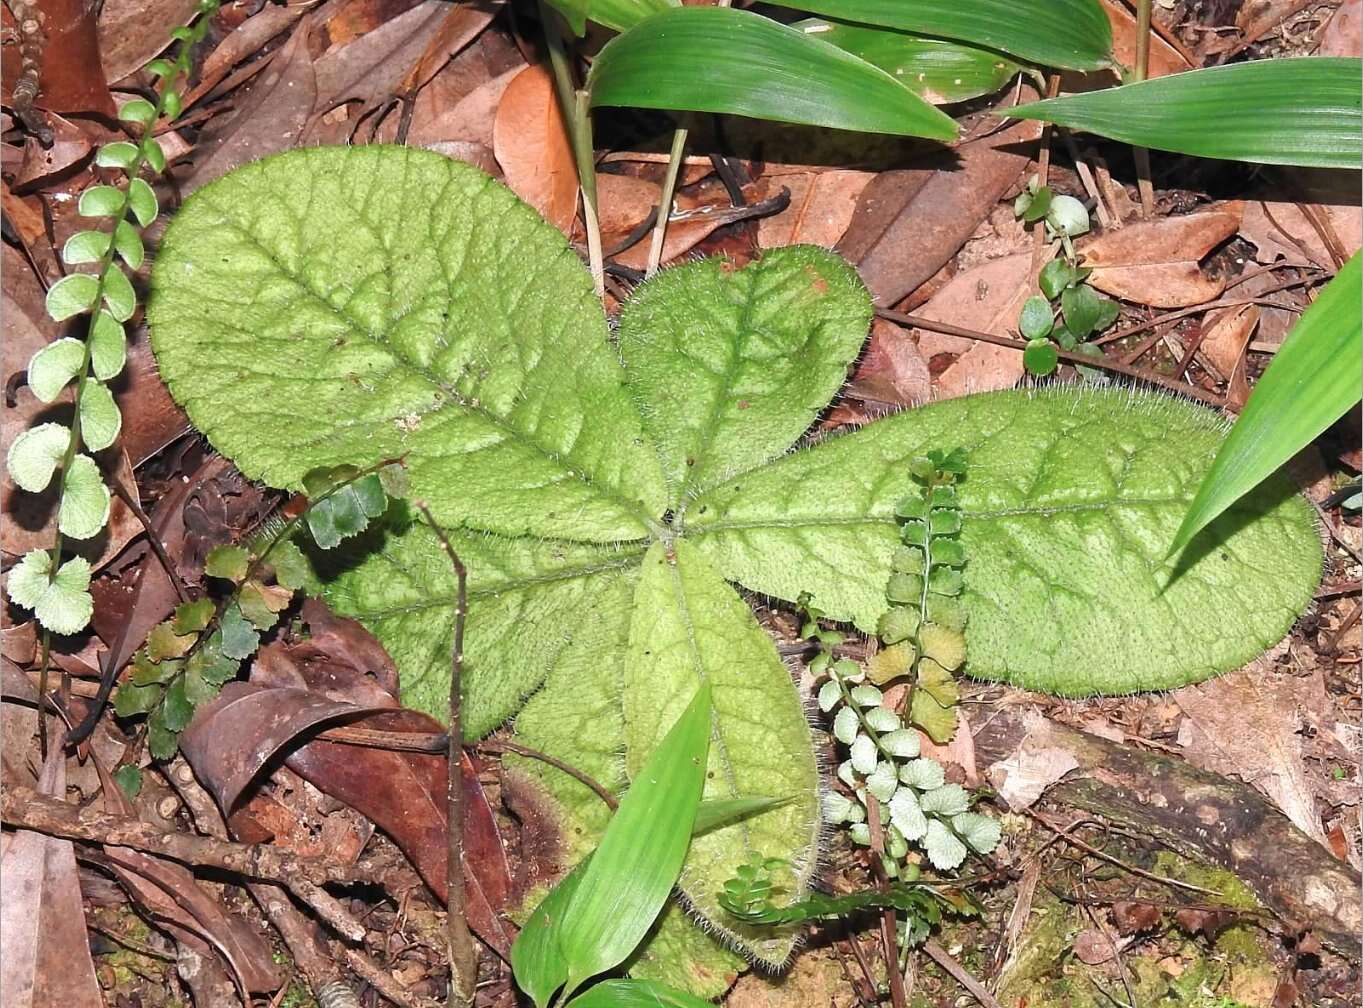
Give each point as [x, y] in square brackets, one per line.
[332, 305]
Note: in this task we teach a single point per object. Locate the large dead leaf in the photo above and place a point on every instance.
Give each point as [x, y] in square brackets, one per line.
[1156, 262]
[892, 370]
[1224, 347]
[1164, 58]
[1281, 229]
[131, 32]
[531, 143]
[370, 69]
[47, 951]
[908, 224]
[987, 297]
[1246, 724]
[340, 673]
[821, 208]
[271, 113]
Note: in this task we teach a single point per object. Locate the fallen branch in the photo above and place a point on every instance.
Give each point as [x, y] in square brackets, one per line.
[1199, 814]
[24, 808]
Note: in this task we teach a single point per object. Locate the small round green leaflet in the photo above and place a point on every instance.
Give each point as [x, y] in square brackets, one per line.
[1040, 357]
[85, 500]
[100, 420]
[1067, 216]
[71, 295]
[62, 604]
[1036, 318]
[108, 347]
[35, 454]
[85, 247]
[53, 366]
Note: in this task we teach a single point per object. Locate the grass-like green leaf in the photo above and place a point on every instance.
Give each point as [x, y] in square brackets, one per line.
[716, 59]
[1311, 383]
[1073, 34]
[1281, 111]
[937, 70]
[640, 855]
[619, 15]
[537, 962]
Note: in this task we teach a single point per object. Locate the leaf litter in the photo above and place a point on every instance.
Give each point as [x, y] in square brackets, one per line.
[279, 77]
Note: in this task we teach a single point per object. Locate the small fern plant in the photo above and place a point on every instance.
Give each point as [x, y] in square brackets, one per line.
[187, 658]
[923, 628]
[58, 592]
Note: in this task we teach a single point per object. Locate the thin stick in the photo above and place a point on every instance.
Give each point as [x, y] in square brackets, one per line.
[463, 953]
[24, 808]
[958, 973]
[1143, 180]
[888, 919]
[557, 764]
[1074, 358]
[674, 162]
[577, 116]
[153, 539]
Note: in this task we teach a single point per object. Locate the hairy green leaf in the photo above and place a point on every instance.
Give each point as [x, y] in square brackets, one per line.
[689, 627]
[1070, 502]
[1073, 34]
[1303, 111]
[1311, 383]
[717, 59]
[390, 285]
[937, 70]
[728, 367]
[530, 603]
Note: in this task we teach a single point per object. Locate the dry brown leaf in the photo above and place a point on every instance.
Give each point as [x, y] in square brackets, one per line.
[821, 207]
[1031, 769]
[892, 369]
[47, 950]
[1224, 348]
[243, 41]
[908, 224]
[530, 141]
[1164, 58]
[370, 69]
[1246, 724]
[272, 112]
[131, 32]
[1093, 948]
[470, 118]
[464, 23]
[1281, 230]
[634, 198]
[1343, 33]
[987, 297]
[1155, 262]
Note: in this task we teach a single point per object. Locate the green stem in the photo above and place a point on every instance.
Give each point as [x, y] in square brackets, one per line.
[575, 103]
[674, 163]
[106, 262]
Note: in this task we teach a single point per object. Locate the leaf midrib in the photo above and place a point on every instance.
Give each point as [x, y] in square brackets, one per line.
[454, 397]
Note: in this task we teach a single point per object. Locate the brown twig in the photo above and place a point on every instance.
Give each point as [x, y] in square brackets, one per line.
[463, 954]
[153, 539]
[512, 747]
[1068, 836]
[1102, 363]
[888, 920]
[959, 973]
[24, 808]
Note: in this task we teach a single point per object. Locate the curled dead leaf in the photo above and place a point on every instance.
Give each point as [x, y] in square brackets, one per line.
[531, 144]
[1157, 262]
